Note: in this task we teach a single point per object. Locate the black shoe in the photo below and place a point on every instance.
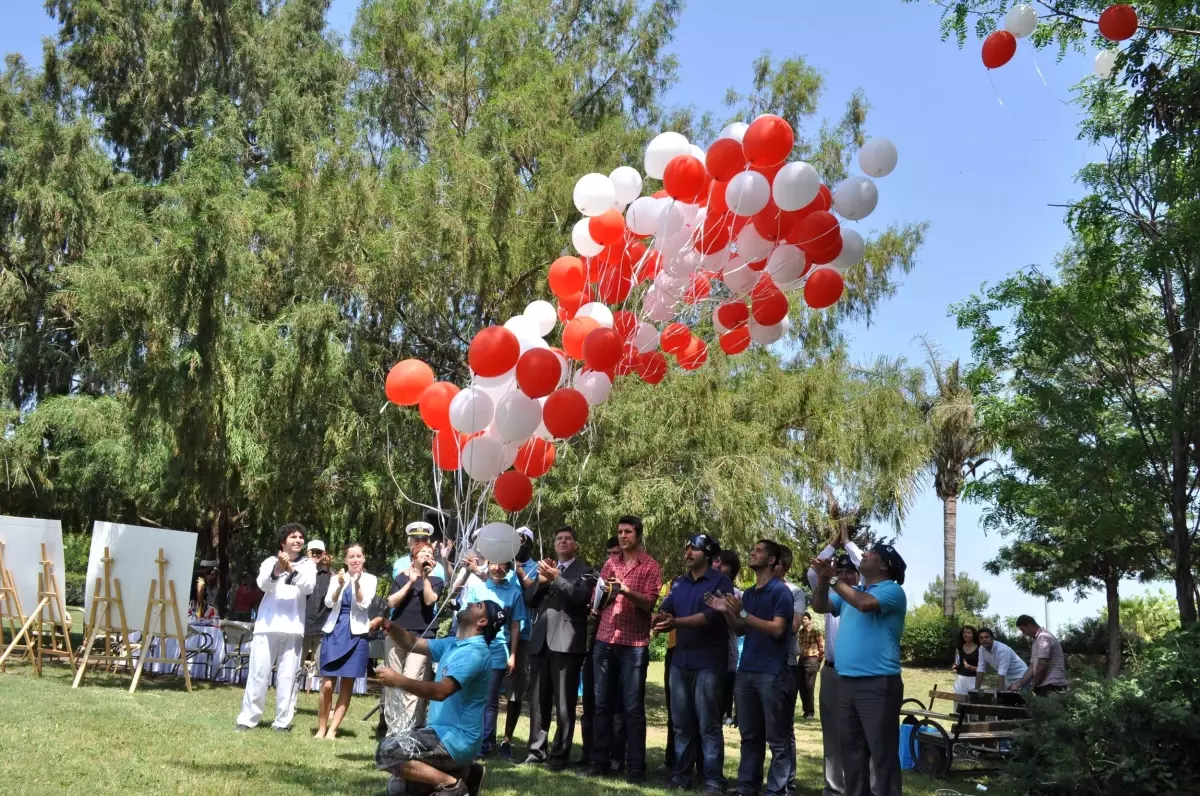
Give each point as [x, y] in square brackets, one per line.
[678, 784]
[556, 765]
[474, 779]
[506, 751]
[636, 779]
[598, 771]
[583, 762]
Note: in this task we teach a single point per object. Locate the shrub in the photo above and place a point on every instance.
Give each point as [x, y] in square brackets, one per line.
[74, 586]
[1135, 735]
[928, 636]
[658, 647]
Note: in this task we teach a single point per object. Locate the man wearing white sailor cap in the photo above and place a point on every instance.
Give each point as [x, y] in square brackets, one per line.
[419, 531]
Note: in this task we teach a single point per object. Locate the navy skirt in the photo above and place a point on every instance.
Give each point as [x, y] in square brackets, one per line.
[343, 654]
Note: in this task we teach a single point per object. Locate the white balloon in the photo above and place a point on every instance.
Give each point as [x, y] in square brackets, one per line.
[593, 386]
[671, 285]
[644, 215]
[672, 221]
[627, 183]
[600, 313]
[581, 239]
[543, 316]
[645, 337]
[482, 456]
[498, 542]
[511, 449]
[796, 185]
[855, 197]
[661, 150]
[563, 369]
[594, 194]
[681, 264]
[853, 249]
[878, 157]
[471, 410]
[736, 131]
[1105, 63]
[747, 193]
[786, 264]
[517, 416]
[765, 335]
[739, 277]
[657, 305]
[696, 152]
[720, 327]
[713, 262]
[1020, 20]
[752, 247]
[496, 386]
[522, 326]
[692, 214]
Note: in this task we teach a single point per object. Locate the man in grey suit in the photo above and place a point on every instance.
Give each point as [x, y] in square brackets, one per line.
[559, 601]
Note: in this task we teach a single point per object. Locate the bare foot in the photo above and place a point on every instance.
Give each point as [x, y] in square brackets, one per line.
[329, 737]
[320, 734]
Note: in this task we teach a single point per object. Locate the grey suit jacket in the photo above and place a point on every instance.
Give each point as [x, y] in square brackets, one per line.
[560, 610]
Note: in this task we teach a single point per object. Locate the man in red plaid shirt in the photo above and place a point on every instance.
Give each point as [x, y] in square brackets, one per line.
[622, 651]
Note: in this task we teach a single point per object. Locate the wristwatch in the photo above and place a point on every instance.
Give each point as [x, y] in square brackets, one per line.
[833, 581]
[743, 614]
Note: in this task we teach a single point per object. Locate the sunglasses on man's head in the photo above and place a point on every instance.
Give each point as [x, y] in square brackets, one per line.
[316, 553]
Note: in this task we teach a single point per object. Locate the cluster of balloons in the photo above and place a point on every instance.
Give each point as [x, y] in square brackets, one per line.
[1117, 23]
[737, 227]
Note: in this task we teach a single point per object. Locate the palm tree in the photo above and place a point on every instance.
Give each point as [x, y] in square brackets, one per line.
[958, 447]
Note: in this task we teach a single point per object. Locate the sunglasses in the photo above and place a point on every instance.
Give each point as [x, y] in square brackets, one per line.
[316, 553]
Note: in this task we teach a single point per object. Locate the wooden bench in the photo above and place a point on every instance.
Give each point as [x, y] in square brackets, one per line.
[932, 745]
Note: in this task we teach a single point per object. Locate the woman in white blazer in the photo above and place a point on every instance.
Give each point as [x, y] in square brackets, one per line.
[344, 648]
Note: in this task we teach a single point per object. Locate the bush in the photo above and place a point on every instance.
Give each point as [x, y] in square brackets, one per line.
[928, 637]
[658, 647]
[75, 587]
[1135, 735]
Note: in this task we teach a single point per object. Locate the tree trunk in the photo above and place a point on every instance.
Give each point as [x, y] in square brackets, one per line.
[949, 564]
[1111, 591]
[222, 527]
[1185, 593]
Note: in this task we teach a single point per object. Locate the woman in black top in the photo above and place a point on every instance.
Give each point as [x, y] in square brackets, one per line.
[966, 660]
[413, 606]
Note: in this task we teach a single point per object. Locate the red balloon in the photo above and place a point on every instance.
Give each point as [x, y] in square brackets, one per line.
[768, 141]
[699, 288]
[998, 49]
[651, 367]
[565, 413]
[769, 171]
[715, 233]
[573, 302]
[574, 333]
[764, 287]
[538, 372]
[725, 159]
[629, 355]
[650, 266]
[757, 265]
[771, 223]
[607, 228]
[684, 178]
[446, 448]
[770, 309]
[602, 349]
[535, 457]
[493, 352]
[513, 491]
[823, 288]
[716, 198]
[566, 276]
[660, 194]
[614, 285]
[625, 323]
[406, 381]
[674, 337]
[735, 341]
[435, 404]
[733, 314]
[826, 254]
[695, 355]
[1118, 23]
[817, 230]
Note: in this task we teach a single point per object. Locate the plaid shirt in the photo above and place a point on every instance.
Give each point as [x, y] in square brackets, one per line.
[620, 621]
[810, 643]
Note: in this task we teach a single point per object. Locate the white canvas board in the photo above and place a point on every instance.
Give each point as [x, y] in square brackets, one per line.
[134, 549]
[23, 538]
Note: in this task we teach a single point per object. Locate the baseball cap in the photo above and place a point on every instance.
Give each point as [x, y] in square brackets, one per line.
[419, 528]
[845, 562]
[895, 563]
[496, 616]
[704, 543]
[316, 544]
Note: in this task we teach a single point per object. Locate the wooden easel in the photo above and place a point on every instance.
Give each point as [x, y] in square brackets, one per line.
[10, 605]
[157, 608]
[105, 595]
[51, 611]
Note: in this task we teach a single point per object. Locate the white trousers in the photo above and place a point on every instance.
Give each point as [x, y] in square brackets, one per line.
[281, 652]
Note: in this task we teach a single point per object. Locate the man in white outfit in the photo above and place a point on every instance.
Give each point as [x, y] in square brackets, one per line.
[286, 581]
[835, 783]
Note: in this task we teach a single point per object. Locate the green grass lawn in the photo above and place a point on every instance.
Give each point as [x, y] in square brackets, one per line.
[99, 739]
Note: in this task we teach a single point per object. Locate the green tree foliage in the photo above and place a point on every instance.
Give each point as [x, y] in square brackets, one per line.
[1148, 617]
[972, 597]
[220, 225]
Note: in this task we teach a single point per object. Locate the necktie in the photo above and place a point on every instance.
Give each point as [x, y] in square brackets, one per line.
[562, 567]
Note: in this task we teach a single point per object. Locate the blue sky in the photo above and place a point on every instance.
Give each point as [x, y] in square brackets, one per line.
[982, 156]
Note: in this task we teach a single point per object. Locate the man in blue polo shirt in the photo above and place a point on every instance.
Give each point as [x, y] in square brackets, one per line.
[437, 758]
[871, 621]
[698, 665]
[763, 615]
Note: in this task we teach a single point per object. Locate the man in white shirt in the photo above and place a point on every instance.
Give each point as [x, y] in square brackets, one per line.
[847, 564]
[286, 581]
[998, 657]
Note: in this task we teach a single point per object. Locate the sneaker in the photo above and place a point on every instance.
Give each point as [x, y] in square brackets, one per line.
[459, 788]
[281, 729]
[506, 751]
[397, 787]
[474, 779]
[532, 760]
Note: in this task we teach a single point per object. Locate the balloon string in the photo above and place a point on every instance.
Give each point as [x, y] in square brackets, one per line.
[997, 93]
[1037, 66]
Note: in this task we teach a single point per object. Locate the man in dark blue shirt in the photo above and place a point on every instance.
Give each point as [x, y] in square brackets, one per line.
[698, 665]
[763, 615]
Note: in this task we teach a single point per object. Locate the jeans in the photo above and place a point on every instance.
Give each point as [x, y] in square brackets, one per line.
[616, 752]
[491, 710]
[791, 689]
[621, 672]
[760, 708]
[696, 716]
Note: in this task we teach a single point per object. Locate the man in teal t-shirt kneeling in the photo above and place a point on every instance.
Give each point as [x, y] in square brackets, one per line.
[870, 689]
[437, 758]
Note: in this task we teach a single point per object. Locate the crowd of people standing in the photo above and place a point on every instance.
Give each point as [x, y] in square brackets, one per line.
[536, 628]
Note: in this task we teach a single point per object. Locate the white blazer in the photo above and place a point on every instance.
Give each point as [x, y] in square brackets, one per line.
[360, 618]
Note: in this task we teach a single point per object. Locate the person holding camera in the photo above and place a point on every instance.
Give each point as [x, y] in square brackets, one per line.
[412, 603]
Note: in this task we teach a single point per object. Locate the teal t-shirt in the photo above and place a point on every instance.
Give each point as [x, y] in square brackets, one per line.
[509, 595]
[458, 721]
[868, 644]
